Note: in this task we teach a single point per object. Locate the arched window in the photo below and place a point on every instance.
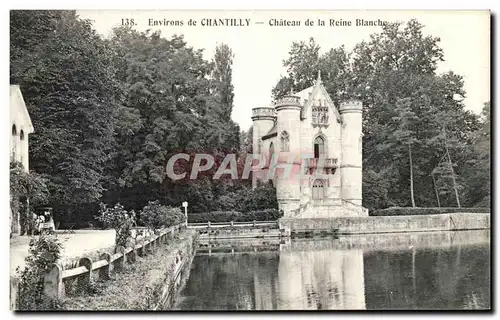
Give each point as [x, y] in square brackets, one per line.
[285, 141]
[14, 143]
[21, 136]
[318, 191]
[271, 153]
[319, 147]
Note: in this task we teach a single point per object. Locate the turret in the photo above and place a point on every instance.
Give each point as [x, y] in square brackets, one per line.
[288, 145]
[351, 165]
[263, 120]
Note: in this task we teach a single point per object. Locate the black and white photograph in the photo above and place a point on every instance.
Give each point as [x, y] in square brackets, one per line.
[250, 160]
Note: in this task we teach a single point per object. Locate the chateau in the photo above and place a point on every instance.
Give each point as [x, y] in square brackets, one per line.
[321, 147]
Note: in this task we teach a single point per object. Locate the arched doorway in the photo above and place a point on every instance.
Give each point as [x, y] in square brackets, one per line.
[318, 191]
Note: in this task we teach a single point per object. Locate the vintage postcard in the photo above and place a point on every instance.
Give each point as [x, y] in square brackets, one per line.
[250, 160]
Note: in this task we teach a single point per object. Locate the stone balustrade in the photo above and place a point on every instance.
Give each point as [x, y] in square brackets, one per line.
[325, 163]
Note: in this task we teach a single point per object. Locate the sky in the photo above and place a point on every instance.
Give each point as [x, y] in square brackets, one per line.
[259, 49]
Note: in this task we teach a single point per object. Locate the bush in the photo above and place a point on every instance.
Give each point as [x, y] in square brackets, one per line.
[409, 211]
[27, 190]
[42, 254]
[156, 216]
[226, 216]
[246, 198]
[119, 219]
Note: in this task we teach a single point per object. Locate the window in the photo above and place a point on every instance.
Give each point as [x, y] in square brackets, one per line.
[21, 136]
[320, 114]
[318, 191]
[271, 152]
[285, 141]
[14, 143]
[319, 147]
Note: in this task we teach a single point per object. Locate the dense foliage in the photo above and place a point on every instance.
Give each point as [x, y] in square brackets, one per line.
[67, 75]
[156, 216]
[27, 192]
[109, 113]
[43, 252]
[420, 146]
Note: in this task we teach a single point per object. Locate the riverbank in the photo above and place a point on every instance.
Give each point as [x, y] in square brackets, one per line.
[146, 284]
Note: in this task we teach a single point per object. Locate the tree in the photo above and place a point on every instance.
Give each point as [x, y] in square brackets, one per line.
[303, 65]
[222, 74]
[477, 177]
[175, 102]
[69, 85]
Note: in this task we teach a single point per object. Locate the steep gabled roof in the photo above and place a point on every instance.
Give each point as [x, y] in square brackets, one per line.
[311, 92]
[16, 98]
[272, 132]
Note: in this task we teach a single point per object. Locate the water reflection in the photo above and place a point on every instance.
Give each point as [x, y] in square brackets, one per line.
[413, 271]
[320, 279]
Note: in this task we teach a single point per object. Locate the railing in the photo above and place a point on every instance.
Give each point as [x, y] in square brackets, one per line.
[327, 162]
[365, 210]
[84, 273]
[230, 224]
[263, 112]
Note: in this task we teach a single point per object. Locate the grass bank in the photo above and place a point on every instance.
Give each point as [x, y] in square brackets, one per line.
[140, 285]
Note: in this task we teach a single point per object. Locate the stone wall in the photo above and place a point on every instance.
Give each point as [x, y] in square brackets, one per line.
[231, 233]
[391, 241]
[381, 224]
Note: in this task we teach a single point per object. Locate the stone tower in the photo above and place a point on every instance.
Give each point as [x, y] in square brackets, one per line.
[288, 155]
[313, 150]
[351, 165]
[263, 120]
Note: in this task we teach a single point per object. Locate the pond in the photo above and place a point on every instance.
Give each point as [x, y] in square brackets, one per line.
[448, 270]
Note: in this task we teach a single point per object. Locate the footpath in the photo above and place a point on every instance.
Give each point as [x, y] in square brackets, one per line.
[75, 244]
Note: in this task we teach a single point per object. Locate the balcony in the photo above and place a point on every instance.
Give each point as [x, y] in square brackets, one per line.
[325, 163]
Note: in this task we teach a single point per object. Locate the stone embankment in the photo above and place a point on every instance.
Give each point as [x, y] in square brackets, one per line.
[386, 224]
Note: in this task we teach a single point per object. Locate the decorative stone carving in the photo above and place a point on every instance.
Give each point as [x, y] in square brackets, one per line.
[263, 112]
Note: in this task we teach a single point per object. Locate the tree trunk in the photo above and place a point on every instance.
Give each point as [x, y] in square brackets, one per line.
[435, 189]
[411, 177]
[451, 168]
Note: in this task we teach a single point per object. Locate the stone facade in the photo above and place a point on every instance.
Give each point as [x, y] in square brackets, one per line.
[312, 152]
[20, 128]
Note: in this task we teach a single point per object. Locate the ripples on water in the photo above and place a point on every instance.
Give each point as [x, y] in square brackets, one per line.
[404, 271]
